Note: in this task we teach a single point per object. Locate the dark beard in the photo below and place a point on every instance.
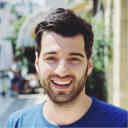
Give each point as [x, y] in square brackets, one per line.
[73, 94]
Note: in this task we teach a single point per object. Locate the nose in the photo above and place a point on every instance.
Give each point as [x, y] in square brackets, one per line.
[62, 69]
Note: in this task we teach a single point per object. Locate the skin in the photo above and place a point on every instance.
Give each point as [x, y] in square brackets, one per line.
[63, 59]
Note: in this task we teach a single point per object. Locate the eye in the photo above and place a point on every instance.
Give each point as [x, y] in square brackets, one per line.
[51, 59]
[74, 60]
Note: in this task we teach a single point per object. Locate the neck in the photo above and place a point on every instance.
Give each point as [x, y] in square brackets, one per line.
[73, 111]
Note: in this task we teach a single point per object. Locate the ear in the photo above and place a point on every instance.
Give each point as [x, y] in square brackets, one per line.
[37, 61]
[90, 67]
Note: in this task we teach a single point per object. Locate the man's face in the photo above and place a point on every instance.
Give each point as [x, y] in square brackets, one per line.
[62, 66]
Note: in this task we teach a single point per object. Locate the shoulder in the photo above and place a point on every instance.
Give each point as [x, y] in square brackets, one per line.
[110, 113]
[23, 115]
[110, 109]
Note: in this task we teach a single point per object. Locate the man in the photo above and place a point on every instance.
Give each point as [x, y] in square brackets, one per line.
[63, 62]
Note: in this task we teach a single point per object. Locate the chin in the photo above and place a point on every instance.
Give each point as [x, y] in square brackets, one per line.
[63, 99]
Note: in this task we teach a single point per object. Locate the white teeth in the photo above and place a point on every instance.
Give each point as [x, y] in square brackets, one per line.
[62, 83]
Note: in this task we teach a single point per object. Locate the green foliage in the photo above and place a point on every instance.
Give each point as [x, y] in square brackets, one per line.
[87, 16]
[13, 39]
[99, 39]
[68, 1]
[99, 44]
[96, 83]
[18, 52]
[17, 24]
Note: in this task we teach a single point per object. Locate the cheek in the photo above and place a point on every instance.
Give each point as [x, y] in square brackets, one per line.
[44, 69]
[79, 70]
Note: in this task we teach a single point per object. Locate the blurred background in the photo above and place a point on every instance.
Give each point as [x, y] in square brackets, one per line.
[19, 85]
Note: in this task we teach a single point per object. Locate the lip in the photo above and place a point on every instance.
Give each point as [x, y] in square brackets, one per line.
[61, 86]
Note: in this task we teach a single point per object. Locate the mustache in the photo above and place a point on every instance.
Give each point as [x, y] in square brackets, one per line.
[62, 77]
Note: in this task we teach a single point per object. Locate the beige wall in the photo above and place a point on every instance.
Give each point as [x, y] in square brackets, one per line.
[124, 54]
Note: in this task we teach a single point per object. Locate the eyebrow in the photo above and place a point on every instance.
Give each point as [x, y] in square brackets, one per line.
[48, 53]
[76, 54]
[71, 54]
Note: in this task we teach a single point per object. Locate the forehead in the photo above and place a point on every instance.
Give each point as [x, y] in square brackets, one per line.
[54, 42]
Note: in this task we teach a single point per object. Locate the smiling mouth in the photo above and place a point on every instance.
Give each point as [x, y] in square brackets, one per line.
[61, 84]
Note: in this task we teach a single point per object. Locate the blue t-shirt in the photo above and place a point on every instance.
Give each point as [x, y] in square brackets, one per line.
[99, 114]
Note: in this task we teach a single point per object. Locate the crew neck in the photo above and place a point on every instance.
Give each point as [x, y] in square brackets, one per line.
[84, 117]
